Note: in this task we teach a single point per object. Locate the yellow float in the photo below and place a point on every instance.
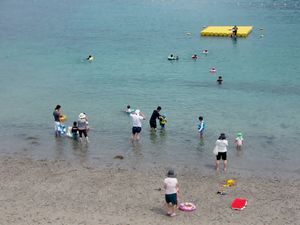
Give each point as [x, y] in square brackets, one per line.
[63, 118]
[226, 31]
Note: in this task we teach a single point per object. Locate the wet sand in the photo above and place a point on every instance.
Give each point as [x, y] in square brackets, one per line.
[60, 192]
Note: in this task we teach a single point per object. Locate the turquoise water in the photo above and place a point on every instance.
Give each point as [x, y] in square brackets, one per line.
[43, 44]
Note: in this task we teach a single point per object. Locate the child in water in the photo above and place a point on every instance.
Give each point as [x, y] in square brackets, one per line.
[162, 121]
[128, 109]
[201, 126]
[220, 80]
[239, 141]
[74, 131]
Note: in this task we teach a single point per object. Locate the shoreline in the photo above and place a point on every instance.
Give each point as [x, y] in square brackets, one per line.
[60, 192]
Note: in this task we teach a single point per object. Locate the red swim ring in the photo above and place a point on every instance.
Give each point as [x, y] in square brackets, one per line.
[187, 206]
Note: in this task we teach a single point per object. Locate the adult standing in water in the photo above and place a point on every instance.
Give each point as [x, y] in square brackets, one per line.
[56, 115]
[234, 31]
[221, 145]
[83, 127]
[155, 115]
[137, 116]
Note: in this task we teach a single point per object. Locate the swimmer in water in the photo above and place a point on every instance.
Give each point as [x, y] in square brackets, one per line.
[205, 51]
[128, 109]
[220, 80]
[90, 58]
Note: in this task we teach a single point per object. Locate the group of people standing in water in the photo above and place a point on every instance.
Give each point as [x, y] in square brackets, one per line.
[79, 129]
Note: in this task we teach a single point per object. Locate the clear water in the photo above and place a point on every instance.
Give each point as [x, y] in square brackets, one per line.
[43, 44]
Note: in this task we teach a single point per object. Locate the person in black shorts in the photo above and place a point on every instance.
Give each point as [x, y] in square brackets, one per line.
[155, 115]
[221, 145]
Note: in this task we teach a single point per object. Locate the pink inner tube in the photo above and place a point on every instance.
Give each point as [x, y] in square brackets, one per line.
[213, 70]
[187, 206]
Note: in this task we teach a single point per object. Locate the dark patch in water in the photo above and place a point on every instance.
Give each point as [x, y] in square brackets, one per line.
[119, 157]
[31, 138]
[284, 126]
[34, 143]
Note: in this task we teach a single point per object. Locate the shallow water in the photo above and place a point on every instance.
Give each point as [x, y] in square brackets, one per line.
[43, 45]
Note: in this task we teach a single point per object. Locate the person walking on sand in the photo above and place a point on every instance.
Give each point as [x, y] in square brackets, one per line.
[171, 190]
[137, 117]
[221, 146]
[56, 114]
[155, 115]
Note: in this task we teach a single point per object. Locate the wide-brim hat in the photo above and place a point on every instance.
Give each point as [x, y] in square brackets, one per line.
[82, 116]
[240, 134]
[137, 111]
[171, 173]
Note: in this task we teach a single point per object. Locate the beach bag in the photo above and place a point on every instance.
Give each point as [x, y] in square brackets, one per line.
[215, 151]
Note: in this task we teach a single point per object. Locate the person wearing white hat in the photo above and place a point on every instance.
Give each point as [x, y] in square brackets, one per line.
[82, 124]
[137, 117]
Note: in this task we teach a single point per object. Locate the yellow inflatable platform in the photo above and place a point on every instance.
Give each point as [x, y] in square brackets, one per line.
[226, 31]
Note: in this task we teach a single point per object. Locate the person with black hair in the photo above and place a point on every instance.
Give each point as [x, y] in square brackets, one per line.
[221, 146]
[234, 31]
[220, 80]
[56, 114]
[155, 115]
[171, 187]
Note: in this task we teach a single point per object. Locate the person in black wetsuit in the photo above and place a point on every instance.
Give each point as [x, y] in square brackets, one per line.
[155, 115]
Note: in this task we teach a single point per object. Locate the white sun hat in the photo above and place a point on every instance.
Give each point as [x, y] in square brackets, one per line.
[82, 116]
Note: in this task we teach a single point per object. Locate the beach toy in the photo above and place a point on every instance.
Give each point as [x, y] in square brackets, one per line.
[63, 118]
[230, 183]
[239, 203]
[213, 70]
[187, 206]
[62, 130]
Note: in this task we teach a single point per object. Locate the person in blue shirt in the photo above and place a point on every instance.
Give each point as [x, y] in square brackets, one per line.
[201, 126]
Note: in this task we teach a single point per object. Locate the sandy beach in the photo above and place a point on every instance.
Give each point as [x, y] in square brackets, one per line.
[60, 192]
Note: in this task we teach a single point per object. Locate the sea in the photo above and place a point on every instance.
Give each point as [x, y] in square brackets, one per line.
[44, 44]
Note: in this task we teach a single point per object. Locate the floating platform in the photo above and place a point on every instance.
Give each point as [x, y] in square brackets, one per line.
[226, 31]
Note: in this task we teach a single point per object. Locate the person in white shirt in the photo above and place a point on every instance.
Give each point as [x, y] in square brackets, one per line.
[137, 117]
[221, 145]
[171, 189]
